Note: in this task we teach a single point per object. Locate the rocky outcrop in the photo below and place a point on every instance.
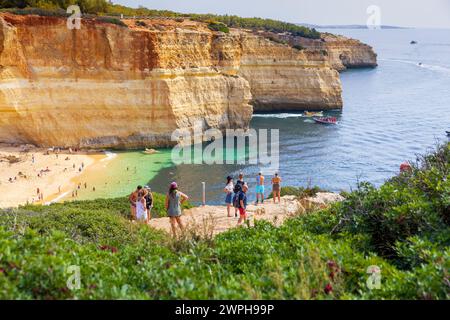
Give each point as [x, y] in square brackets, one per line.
[111, 86]
[340, 52]
[283, 78]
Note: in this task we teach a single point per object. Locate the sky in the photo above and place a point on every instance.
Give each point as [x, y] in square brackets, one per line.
[405, 13]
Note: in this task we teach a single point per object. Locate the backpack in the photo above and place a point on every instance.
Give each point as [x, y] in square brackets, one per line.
[238, 186]
[236, 202]
[149, 200]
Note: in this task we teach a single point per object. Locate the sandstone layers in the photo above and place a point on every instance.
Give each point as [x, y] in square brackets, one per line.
[110, 86]
[340, 52]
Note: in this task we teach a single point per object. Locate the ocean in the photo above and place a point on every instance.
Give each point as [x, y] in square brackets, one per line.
[391, 114]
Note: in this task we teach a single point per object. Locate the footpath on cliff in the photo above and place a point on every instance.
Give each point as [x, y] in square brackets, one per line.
[208, 221]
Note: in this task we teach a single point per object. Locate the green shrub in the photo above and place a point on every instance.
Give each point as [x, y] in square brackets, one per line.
[43, 12]
[112, 20]
[120, 206]
[140, 23]
[300, 192]
[218, 26]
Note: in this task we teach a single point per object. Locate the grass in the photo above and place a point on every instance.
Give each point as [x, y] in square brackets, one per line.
[401, 227]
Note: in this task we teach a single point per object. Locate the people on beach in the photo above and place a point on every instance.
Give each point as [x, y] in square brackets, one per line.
[174, 200]
[276, 188]
[149, 202]
[242, 204]
[259, 188]
[133, 199]
[141, 207]
[229, 197]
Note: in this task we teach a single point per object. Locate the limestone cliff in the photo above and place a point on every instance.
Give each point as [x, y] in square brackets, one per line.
[283, 78]
[341, 52]
[110, 86]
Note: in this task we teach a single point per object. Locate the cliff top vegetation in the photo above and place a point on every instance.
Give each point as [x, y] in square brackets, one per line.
[103, 7]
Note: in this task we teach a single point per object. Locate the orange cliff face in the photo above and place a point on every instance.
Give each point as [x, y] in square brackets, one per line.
[111, 86]
[340, 52]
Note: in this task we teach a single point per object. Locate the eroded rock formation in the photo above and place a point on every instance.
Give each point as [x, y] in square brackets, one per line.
[110, 86]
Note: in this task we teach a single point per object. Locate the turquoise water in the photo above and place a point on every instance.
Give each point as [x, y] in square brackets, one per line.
[119, 174]
[391, 114]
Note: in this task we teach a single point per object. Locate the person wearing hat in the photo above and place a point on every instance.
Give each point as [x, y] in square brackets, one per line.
[229, 187]
[149, 202]
[174, 200]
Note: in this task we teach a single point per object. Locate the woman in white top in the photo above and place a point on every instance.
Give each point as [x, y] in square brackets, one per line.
[229, 197]
[141, 208]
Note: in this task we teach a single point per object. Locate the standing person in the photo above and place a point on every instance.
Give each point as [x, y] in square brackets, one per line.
[141, 208]
[229, 187]
[259, 188]
[149, 202]
[237, 188]
[174, 200]
[133, 199]
[242, 204]
[276, 188]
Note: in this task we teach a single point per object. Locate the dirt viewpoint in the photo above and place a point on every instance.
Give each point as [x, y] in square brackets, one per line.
[212, 220]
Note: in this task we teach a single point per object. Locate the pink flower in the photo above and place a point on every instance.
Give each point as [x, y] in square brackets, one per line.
[106, 248]
[328, 288]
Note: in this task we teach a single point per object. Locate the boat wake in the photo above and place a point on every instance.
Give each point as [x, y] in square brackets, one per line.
[431, 67]
[278, 115]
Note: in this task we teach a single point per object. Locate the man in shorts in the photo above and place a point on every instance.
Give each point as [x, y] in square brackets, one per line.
[259, 188]
[242, 204]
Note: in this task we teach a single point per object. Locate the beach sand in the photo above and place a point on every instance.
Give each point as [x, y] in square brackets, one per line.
[27, 175]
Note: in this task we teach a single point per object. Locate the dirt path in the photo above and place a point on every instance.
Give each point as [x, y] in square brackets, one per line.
[212, 220]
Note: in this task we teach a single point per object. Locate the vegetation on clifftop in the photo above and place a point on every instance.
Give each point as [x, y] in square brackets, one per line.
[103, 7]
[402, 228]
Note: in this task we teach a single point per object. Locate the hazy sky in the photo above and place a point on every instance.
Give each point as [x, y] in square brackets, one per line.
[414, 13]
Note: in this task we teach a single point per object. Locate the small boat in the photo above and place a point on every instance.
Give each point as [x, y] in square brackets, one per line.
[326, 120]
[413, 42]
[150, 151]
[448, 133]
[313, 114]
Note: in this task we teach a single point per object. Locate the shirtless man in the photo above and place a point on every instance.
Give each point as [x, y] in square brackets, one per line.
[133, 198]
[259, 188]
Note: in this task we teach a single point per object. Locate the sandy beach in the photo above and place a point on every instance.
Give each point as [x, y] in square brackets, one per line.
[40, 176]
